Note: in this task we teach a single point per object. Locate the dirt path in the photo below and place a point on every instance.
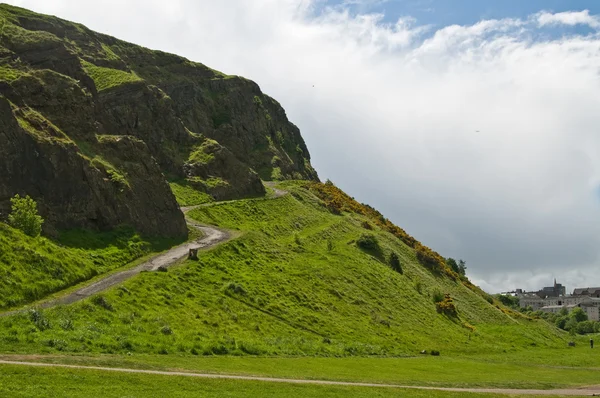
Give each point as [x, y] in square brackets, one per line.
[212, 236]
[581, 392]
[277, 193]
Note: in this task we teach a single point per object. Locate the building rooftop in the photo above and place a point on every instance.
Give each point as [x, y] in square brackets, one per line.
[586, 290]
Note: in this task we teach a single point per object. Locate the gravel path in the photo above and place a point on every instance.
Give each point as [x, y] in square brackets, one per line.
[212, 236]
[581, 392]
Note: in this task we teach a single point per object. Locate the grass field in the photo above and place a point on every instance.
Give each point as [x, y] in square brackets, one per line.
[513, 371]
[18, 381]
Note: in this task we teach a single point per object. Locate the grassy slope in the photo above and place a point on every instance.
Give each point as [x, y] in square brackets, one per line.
[278, 290]
[32, 268]
[186, 195]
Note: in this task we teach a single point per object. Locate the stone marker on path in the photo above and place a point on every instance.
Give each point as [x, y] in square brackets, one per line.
[193, 254]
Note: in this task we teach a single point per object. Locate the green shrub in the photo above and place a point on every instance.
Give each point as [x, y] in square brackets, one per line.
[446, 306]
[24, 216]
[437, 296]
[578, 315]
[39, 319]
[395, 263]
[368, 242]
[419, 286]
[100, 301]
[330, 246]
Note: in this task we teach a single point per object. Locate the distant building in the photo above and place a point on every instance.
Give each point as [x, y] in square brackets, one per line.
[591, 306]
[553, 291]
[587, 291]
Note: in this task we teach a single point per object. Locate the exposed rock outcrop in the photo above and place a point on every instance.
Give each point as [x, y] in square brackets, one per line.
[93, 126]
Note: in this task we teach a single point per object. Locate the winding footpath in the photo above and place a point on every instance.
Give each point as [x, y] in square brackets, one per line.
[211, 237]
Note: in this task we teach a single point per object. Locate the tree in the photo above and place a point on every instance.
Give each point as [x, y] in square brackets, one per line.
[563, 311]
[579, 315]
[451, 263]
[24, 216]
[462, 267]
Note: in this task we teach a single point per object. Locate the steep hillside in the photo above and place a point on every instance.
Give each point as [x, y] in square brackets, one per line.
[92, 124]
[299, 281]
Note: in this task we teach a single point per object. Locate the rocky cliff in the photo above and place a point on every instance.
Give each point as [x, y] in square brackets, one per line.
[92, 127]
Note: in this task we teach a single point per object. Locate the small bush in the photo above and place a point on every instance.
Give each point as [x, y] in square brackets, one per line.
[330, 245]
[24, 216]
[366, 225]
[437, 296]
[447, 307]
[419, 286]
[428, 258]
[39, 319]
[368, 242]
[395, 263]
[166, 330]
[297, 239]
[100, 301]
[233, 288]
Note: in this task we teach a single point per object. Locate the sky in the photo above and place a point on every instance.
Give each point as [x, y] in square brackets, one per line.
[471, 124]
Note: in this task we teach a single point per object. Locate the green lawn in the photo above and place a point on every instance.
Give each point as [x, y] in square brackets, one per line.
[20, 381]
[517, 372]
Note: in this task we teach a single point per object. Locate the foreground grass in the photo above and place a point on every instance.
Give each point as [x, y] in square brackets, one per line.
[481, 371]
[20, 381]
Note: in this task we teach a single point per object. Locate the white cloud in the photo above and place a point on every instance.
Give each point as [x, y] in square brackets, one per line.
[479, 140]
[568, 18]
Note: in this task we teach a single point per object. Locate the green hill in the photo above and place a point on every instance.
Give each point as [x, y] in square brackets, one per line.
[295, 282]
[110, 138]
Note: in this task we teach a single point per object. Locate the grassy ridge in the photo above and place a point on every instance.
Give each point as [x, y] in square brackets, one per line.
[32, 268]
[294, 284]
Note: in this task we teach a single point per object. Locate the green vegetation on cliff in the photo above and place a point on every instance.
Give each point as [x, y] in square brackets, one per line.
[106, 78]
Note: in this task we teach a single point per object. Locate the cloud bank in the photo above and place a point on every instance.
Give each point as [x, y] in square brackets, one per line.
[481, 141]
